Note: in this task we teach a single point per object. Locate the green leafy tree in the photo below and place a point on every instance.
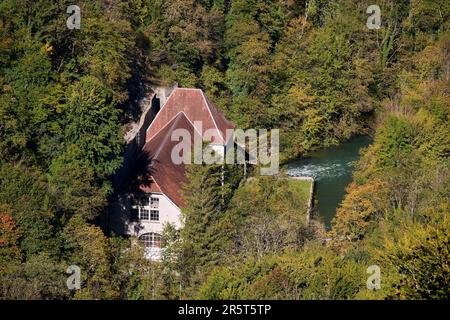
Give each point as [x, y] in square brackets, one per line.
[86, 246]
[171, 262]
[315, 273]
[202, 216]
[92, 131]
[32, 208]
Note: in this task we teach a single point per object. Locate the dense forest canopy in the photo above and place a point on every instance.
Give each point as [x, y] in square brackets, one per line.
[309, 67]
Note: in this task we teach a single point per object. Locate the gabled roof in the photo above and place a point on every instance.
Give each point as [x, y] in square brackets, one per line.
[165, 176]
[196, 107]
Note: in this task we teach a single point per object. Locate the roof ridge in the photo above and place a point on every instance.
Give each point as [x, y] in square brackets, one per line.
[210, 113]
[174, 122]
[165, 103]
[180, 88]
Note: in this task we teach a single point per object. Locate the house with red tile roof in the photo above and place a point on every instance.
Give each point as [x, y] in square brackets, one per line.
[152, 196]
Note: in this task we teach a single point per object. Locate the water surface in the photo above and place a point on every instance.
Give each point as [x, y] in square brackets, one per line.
[332, 169]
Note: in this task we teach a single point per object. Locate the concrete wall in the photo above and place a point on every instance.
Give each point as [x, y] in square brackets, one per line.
[311, 196]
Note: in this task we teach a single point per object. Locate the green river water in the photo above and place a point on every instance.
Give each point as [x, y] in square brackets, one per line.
[332, 169]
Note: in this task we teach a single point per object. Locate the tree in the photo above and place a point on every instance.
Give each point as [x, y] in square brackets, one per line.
[171, 263]
[134, 276]
[9, 237]
[92, 131]
[361, 209]
[206, 231]
[248, 49]
[314, 273]
[32, 208]
[202, 216]
[76, 189]
[268, 215]
[248, 79]
[86, 246]
[40, 277]
[421, 258]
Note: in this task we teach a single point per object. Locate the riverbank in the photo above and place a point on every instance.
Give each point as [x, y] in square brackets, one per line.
[331, 170]
[311, 183]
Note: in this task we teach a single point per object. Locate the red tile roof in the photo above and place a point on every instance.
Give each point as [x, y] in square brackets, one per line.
[183, 107]
[167, 177]
[196, 107]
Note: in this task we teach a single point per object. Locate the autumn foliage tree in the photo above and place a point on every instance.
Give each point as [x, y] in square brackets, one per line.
[9, 236]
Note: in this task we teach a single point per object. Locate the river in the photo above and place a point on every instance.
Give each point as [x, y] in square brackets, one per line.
[332, 169]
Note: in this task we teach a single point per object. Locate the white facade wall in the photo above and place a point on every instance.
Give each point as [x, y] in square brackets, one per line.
[122, 222]
[168, 213]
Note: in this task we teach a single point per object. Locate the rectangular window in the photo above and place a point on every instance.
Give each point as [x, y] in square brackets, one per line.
[140, 200]
[154, 203]
[154, 215]
[144, 214]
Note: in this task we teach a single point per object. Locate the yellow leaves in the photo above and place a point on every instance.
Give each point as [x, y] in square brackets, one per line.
[254, 53]
[361, 206]
[433, 61]
[299, 97]
[47, 48]
[91, 254]
[419, 256]
[296, 29]
[314, 122]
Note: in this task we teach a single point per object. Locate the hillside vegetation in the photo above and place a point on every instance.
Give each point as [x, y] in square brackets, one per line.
[310, 67]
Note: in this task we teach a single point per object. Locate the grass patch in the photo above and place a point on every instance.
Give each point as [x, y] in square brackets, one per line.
[299, 187]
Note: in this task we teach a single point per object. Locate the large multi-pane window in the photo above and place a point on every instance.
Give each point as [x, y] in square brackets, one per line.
[145, 208]
[151, 240]
[144, 214]
[154, 215]
[139, 200]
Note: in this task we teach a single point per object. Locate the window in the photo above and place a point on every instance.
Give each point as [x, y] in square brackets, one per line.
[151, 240]
[143, 214]
[154, 215]
[140, 200]
[154, 202]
